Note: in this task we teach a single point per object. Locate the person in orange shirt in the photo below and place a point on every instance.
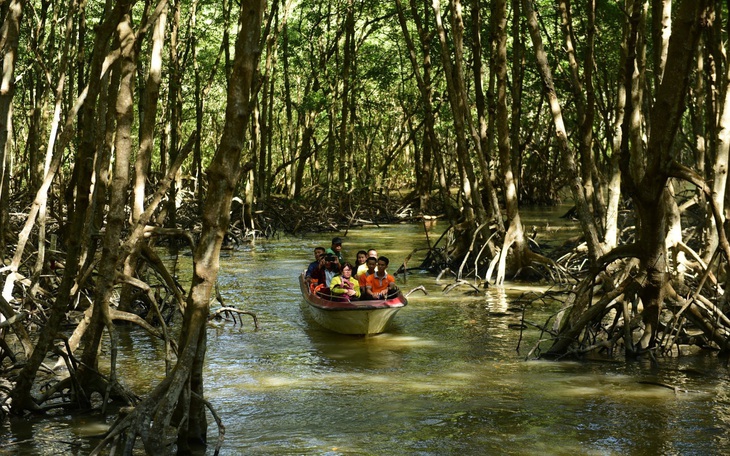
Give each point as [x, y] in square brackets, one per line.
[380, 284]
[371, 263]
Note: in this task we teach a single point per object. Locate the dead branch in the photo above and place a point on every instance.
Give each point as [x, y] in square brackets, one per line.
[459, 283]
[229, 311]
[420, 287]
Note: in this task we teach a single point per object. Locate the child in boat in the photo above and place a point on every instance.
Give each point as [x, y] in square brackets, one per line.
[344, 286]
[370, 265]
[363, 267]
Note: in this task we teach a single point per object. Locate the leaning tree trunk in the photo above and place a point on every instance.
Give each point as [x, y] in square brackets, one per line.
[474, 213]
[101, 319]
[570, 168]
[178, 401]
[21, 394]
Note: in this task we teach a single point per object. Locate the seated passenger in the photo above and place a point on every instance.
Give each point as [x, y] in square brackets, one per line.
[313, 274]
[363, 267]
[380, 284]
[344, 286]
[371, 264]
[336, 250]
[331, 268]
[362, 256]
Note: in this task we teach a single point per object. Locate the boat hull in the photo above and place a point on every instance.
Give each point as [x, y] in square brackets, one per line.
[356, 317]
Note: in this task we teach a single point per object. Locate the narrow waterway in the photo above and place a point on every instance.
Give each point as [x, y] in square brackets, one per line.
[447, 377]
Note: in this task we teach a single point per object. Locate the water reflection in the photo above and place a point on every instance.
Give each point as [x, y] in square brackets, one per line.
[445, 379]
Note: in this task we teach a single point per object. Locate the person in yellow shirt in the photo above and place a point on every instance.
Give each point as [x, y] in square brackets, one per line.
[344, 286]
[363, 267]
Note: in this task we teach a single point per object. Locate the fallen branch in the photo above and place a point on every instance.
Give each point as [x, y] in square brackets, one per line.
[459, 283]
[420, 287]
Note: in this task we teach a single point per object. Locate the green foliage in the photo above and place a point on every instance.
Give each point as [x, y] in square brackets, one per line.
[385, 124]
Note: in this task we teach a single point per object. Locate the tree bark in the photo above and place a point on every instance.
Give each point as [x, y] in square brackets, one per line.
[567, 157]
[474, 213]
[100, 318]
[10, 38]
[514, 238]
[422, 72]
[178, 399]
[21, 393]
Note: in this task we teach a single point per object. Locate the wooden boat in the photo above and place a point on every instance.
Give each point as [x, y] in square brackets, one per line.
[356, 317]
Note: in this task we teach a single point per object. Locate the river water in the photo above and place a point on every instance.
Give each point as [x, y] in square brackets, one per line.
[447, 378]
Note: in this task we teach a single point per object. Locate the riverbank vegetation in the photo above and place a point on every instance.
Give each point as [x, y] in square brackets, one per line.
[127, 125]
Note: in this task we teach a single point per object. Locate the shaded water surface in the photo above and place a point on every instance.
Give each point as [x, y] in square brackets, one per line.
[446, 379]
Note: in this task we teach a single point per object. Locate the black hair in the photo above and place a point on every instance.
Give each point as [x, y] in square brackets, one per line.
[385, 260]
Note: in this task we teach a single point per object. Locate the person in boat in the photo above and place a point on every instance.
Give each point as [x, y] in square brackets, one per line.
[381, 284]
[331, 269]
[313, 273]
[371, 264]
[363, 267]
[344, 286]
[336, 250]
[360, 259]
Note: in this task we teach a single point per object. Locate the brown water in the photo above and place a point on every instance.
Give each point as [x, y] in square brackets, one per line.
[446, 379]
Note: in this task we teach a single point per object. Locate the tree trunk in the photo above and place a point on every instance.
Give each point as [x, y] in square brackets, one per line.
[473, 213]
[100, 318]
[651, 196]
[148, 117]
[661, 29]
[514, 238]
[10, 38]
[493, 213]
[610, 239]
[721, 164]
[21, 393]
[179, 399]
[174, 103]
[585, 216]
[263, 163]
[346, 97]
[422, 72]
